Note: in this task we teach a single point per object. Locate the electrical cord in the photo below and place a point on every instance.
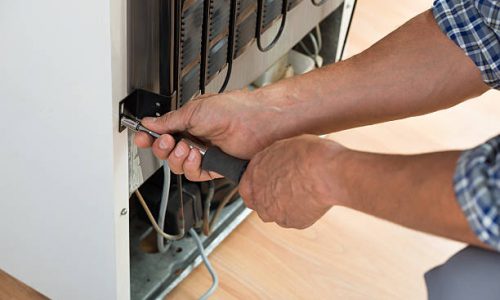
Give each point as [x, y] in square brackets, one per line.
[260, 17]
[230, 52]
[215, 278]
[317, 42]
[318, 3]
[316, 47]
[312, 55]
[231, 46]
[151, 218]
[160, 240]
[320, 38]
[314, 43]
[306, 50]
[217, 213]
[204, 47]
[206, 208]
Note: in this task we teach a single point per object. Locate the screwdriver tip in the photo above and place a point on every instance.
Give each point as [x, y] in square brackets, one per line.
[130, 124]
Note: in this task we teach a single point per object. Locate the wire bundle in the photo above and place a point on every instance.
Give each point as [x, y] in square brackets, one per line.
[208, 224]
[260, 20]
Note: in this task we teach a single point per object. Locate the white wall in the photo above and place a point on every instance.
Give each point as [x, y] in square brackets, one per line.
[59, 195]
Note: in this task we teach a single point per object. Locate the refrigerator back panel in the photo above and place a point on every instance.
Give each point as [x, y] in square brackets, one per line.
[245, 33]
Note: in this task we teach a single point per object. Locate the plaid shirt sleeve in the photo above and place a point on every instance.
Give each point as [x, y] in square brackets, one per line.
[474, 25]
[477, 188]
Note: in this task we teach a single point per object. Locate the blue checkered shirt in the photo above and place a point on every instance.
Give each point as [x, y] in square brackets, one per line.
[474, 25]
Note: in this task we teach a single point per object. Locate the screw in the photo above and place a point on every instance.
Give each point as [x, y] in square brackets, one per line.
[158, 114]
[124, 212]
[158, 104]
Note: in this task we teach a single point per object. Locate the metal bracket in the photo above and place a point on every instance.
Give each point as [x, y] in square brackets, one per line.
[141, 103]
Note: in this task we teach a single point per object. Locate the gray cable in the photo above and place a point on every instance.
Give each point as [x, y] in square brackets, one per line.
[314, 43]
[316, 47]
[206, 209]
[160, 240]
[304, 47]
[320, 38]
[215, 278]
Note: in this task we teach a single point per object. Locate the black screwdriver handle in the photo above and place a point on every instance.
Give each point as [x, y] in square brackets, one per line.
[226, 165]
[214, 158]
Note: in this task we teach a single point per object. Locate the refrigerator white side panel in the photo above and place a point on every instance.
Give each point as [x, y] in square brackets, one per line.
[61, 160]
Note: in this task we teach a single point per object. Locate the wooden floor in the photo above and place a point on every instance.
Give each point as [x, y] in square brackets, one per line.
[346, 255]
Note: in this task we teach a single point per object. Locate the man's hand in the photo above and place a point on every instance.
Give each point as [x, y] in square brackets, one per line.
[240, 123]
[288, 182]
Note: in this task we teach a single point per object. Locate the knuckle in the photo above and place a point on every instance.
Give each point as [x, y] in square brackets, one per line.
[264, 216]
[267, 220]
[192, 110]
[245, 187]
[164, 118]
[283, 222]
[164, 123]
[245, 190]
[302, 226]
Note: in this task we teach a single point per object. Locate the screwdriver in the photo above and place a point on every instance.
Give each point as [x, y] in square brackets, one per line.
[213, 158]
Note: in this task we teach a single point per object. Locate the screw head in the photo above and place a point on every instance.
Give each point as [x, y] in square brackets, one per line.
[124, 212]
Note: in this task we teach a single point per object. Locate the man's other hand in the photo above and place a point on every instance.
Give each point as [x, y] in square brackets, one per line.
[287, 183]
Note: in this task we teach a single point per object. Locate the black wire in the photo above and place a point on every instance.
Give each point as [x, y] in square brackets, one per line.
[204, 47]
[260, 16]
[230, 51]
[231, 45]
[177, 42]
[318, 3]
[178, 13]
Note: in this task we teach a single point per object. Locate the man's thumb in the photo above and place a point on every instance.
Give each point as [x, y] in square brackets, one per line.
[173, 121]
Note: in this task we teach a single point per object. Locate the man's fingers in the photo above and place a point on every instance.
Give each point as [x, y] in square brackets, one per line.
[163, 146]
[245, 188]
[177, 157]
[143, 140]
[192, 166]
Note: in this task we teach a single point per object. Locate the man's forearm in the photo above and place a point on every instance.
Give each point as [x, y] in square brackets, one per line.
[414, 70]
[415, 191]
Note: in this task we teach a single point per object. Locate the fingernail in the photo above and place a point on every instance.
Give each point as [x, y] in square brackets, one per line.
[179, 151]
[192, 155]
[163, 145]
